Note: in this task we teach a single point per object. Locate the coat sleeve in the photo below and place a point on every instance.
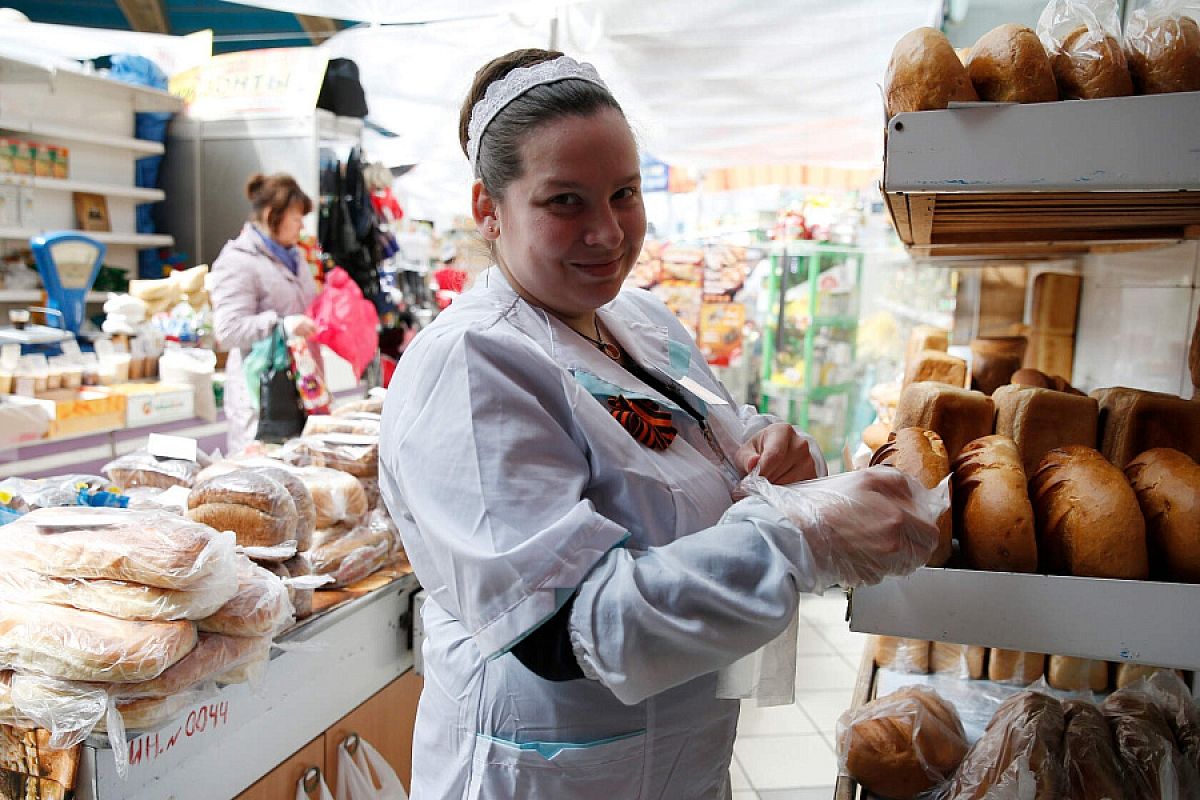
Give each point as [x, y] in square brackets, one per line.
[485, 474]
[237, 322]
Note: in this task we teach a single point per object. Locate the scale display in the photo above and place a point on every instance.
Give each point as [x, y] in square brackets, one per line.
[68, 264]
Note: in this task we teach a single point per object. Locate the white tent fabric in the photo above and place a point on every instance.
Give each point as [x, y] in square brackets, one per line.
[407, 11]
[63, 46]
[705, 83]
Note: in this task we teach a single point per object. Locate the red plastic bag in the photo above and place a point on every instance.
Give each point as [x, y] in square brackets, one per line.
[347, 322]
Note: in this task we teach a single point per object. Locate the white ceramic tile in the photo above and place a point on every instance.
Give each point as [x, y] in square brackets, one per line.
[1132, 337]
[824, 707]
[824, 672]
[773, 721]
[811, 793]
[786, 762]
[737, 777]
[810, 641]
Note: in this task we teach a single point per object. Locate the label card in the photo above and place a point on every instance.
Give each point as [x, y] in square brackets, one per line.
[704, 394]
[163, 446]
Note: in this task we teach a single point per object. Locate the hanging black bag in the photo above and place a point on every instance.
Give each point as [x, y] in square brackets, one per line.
[280, 414]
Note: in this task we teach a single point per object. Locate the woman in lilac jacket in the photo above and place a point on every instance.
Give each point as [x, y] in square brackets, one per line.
[259, 280]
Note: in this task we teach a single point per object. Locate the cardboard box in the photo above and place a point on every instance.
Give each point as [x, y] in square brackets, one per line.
[77, 412]
[155, 403]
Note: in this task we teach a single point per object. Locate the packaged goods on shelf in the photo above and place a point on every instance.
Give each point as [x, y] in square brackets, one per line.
[260, 607]
[922, 454]
[354, 454]
[1083, 41]
[140, 468]
[925, 73]
[993, 518]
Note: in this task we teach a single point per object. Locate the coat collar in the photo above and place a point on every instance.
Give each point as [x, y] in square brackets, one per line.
[249, 241]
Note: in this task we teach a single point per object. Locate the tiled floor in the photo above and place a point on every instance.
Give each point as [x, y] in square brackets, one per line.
[786, 752]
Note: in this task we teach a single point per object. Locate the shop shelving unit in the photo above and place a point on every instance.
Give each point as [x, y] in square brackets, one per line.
[815, 399]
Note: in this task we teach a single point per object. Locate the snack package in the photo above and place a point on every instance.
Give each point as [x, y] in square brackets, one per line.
[1083, 40]
[260, 608]
[310, 383]
[1162, 45]
[903, 744]
[152, 547]
[139, 468]
[120, 599]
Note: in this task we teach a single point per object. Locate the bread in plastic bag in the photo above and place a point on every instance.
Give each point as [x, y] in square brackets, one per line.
[302, 597]
[1131, 673]
[1175, 700]
[1162, 45]
[306, 511]
[139, 468]
[144, 714]
[1015, 667]
[254, 505]
[151, 547]
[116, 598]
[355, 425]
[903, 744]
[338, 497]
[67, 643]
[371, 405]
[260, 607]
[1071, 674]
[1155, 767]
[1019, 756]
[351, 453]
[353, 555]
[1093, 770]
[905, 655]
[859, 527]
[24, 494]
[1083, 40]
[958, 660]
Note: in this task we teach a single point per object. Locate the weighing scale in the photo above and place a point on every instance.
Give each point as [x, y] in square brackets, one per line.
[68, 263]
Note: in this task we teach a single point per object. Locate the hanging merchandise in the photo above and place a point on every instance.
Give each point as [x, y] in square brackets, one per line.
[310, 383]
[348, 227]
[347, 322]
[268, 367]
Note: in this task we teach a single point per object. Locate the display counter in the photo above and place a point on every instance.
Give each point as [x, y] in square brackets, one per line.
[345, 670]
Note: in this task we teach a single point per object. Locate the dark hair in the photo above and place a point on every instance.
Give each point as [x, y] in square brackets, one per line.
[275, 193]
[499, 160]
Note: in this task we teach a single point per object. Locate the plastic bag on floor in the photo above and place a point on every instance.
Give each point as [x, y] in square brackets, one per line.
[355, 781]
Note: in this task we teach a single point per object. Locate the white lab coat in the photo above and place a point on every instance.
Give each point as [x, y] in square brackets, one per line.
[514, 487]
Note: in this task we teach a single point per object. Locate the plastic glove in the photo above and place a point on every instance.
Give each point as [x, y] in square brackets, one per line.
[782, 455]
[855, 528]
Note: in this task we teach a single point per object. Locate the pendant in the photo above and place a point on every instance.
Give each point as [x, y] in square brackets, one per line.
[611, 350]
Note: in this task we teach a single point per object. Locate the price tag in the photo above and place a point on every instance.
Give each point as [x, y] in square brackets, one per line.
[163, 446]
[104, 348]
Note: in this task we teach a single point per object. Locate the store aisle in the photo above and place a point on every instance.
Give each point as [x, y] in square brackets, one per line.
[787, 752]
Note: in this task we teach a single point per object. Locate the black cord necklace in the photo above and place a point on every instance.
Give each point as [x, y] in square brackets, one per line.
[609, 349]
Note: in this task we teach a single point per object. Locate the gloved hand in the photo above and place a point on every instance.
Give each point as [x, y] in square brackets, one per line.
[854, 529]
[782, 455]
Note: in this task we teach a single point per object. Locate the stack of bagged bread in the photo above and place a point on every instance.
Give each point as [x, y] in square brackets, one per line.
[1077, 52]
[141, 609]
[1142, 741]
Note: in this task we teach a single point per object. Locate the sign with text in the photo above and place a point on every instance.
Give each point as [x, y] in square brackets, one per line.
[282, 80]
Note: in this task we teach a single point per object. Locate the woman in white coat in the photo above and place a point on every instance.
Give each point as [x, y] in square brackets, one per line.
[560, 462]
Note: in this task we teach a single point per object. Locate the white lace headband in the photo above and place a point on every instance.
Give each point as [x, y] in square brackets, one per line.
[516, 83]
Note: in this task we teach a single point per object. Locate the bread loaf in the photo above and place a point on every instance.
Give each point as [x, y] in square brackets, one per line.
[1023, 741]
[875, 435]
[1154, 765]
[1173, 697]
[1167, 485]
[353, 556]
[302, 599]
[1088, 520]
[902, 655]
[1132, 673]
[1039, 420]
[148, 713]
[260, 607]
[115, 598]
[154, 548]
[1009, 65]
[337, 496]
[1038, 379]
[925, 337]
[994, 360]
[251, 503]
[142, 469]
[932, 365]
[1163, 53]
[357, 455]
[957, 415]
[1093, 770]
[369, 405]
[1072, 674]
[356, 425]
[921, 454]
[903, 744]
[213, 655]
[81, 645]
[993, 517]
[1133, 421]
[306, 510]
[960, 660]
[1090, 65]
[924, 74]
[1014, 666]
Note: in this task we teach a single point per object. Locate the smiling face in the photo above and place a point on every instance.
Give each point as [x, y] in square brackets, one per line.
[569, 230]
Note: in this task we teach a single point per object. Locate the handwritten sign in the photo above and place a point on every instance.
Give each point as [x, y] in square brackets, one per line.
[200, 721]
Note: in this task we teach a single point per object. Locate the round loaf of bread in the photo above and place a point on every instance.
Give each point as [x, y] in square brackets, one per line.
[252, 527]
[924, 74]
[306, 511]
[1009, 65]
[876, 435]
[901, 745]
[252, 488]
[921, 454]
[337, 496]
[1167, 485]
[992, 514]
[260, 608]
[1088, 519]
[1091, 65]
[1164, 55]
[1032, 377]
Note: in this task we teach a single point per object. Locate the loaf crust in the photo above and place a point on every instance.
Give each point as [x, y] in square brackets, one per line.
[1015, 666]
[1089, 758]
[252, 488]
[260, 608]
[253, 528]
[925, 74]
[960, 660]
[1077, 674]
[903, 655]
[1167, 485]
[936, 366]
[81, 645]
[1133, 421]
[957, 415]
[921, 454]
[1154, 765]
[306, 511]
[1164, 55]
[1088, 520]
[1039, 420]
[1090, 66]
[338, 497]
[994, 360]
[993, 517]
[903, 744]
[1009, 65]
[116, 598]
[213, 655]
